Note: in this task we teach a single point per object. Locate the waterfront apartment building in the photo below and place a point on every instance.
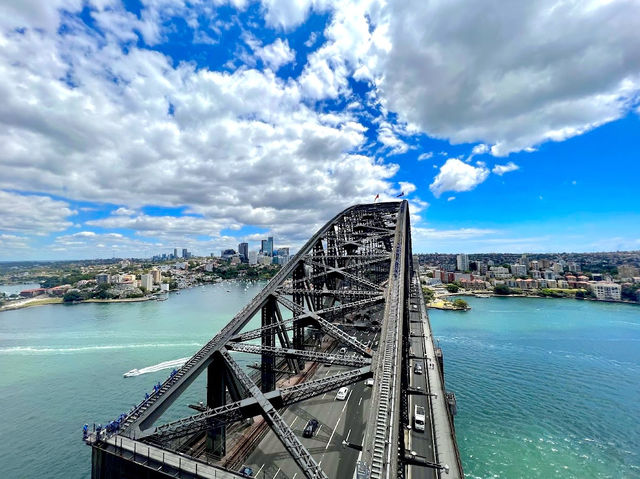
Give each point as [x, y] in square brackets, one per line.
[156, 275]
[462, 262]
[518, 270]
[146, 281]
[607, 291]
[102, 278]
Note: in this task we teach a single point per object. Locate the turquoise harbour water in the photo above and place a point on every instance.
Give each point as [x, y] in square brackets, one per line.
[545, 388]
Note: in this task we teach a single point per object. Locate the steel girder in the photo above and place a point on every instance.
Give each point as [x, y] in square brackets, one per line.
[248, 407]
[256, 333]
[341, 271]
[328, 292]
[383, 425]
[280, 428]
[148, 411]
[327, 327]
[354, 247]
[343, 360]
[355, 257]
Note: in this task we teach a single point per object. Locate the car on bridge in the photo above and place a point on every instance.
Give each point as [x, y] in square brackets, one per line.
[342, 394]
[310, 428]
[417, 368]
[246, 471]
[369, 382]
[362, 470]
[418, 418]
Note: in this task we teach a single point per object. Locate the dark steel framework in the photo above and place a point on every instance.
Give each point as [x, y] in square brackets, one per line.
[358, 260]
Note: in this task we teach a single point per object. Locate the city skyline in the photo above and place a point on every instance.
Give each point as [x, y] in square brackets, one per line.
[131, 127]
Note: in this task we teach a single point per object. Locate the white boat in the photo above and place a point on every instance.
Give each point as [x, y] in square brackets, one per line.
[133, 372]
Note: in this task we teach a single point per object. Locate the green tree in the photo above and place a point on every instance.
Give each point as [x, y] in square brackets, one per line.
[429, 294]
[501, 289]
[460, 303]
[73, 295]
[453, 288]
[102, 291]
[630, 292]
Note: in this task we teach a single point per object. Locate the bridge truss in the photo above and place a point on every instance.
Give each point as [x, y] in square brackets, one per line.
[357, 265]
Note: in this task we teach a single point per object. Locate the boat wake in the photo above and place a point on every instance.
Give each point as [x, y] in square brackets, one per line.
[174, 363]
[28, 350]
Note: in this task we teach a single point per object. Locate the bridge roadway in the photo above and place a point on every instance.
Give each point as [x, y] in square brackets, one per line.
[419, 441]
[339, 421]
[370, 417]
[344, 420]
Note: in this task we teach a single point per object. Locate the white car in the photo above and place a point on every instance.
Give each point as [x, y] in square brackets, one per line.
[342, 394]
[418, 418]
[369, 382]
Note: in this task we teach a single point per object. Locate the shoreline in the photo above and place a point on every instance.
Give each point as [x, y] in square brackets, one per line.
[38, 301]
[43, 301]
[491, 294]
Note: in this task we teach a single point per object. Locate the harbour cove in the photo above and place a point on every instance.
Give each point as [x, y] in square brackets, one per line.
[545, 388]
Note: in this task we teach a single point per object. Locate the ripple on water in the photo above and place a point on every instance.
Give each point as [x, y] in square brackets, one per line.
[539, 404]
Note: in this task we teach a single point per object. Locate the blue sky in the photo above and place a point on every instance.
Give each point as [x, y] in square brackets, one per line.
[130, 128]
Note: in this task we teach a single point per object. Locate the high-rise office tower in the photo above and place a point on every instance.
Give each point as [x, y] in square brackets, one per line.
[243, 250]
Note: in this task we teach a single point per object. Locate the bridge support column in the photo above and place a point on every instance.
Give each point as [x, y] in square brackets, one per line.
[298, 327]
[317, 282]
[216, 396]
[267, 366]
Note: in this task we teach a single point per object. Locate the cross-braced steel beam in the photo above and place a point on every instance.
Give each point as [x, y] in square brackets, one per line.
[340, 359]
[280, 428]
[248, 407]
[356, 262]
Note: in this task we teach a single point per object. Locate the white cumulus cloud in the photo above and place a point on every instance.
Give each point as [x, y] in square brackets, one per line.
[502, 169]
[33, 214]
[136, 129]
[276, 54]
[537, 71]
[456, 175]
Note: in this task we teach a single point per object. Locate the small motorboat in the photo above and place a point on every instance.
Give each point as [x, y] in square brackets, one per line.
[133, 372]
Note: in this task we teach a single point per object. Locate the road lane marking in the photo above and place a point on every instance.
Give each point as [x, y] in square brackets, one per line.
[294, 420]
[360, 402]
[294, 476]
[348, 434]
[275, 475]
[332, 433]
[347, 401]
[318, 431]
[259, 470]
